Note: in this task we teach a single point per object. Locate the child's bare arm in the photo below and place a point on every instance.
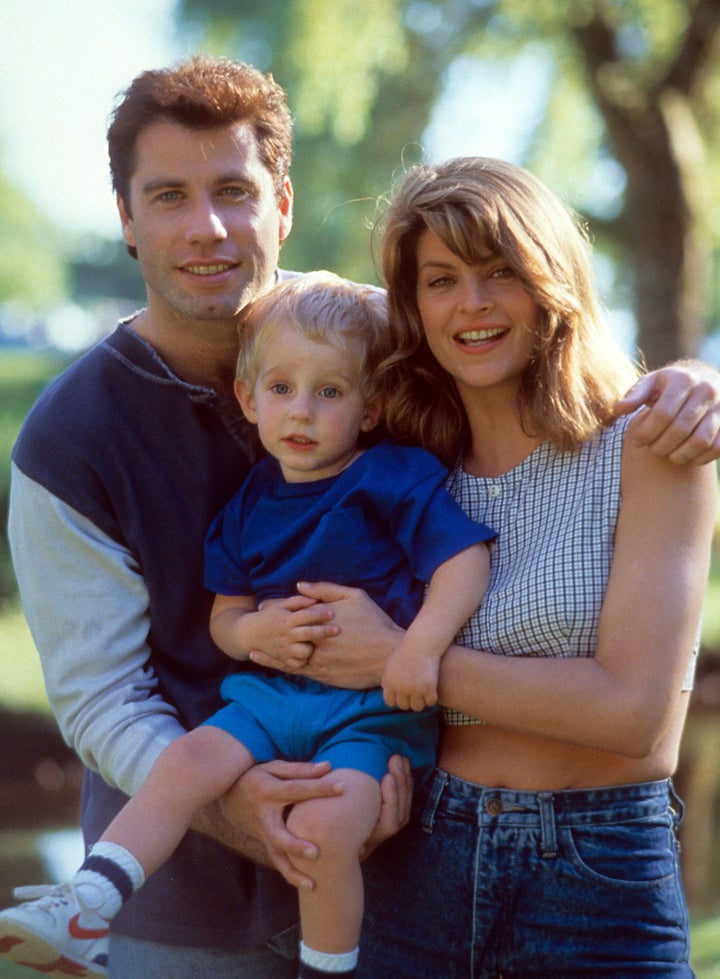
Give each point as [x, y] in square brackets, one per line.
[455, 591]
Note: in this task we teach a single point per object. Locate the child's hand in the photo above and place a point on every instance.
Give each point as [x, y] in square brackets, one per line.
[410, 680]
[283, 630]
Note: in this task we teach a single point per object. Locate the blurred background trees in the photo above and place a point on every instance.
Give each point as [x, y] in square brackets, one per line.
[626, 126]
[615, 103]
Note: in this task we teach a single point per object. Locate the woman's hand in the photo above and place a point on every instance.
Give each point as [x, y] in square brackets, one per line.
[682, 417]
[356, 656]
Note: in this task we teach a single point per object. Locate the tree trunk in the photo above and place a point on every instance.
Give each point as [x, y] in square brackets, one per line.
[668, 270]
[652, 129]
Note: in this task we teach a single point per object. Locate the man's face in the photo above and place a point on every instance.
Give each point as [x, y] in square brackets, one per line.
[206, 220]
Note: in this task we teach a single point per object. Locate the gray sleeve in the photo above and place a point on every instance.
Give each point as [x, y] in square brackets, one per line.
[87, 607]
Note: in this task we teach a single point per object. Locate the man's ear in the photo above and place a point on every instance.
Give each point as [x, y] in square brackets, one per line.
[126, 223]
[372, 414]
[246, 400]
[285, 210]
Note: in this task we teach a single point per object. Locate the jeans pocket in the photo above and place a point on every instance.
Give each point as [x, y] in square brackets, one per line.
[634, 855]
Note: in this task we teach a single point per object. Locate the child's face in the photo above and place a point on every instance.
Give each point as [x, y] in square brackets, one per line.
[308, 405]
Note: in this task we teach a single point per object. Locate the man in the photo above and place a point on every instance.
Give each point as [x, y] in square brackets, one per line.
[118, 472]
[116, 475]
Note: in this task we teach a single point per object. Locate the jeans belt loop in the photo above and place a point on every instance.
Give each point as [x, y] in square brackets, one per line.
[677, 806]
[440, 780]
[548, 839]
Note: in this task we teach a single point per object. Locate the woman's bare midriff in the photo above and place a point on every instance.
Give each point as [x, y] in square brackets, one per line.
[500, 758]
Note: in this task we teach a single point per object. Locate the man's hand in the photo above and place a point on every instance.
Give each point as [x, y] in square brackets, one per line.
[682, 416]
[396, 792]
[250, 818]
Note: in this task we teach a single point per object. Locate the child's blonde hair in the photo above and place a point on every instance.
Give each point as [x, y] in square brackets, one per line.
[326, 309]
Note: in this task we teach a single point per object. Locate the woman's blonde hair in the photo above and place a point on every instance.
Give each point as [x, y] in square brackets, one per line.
[474, 204]
[327, 309]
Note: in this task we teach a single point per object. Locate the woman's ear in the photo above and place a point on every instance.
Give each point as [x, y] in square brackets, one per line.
[246, 400]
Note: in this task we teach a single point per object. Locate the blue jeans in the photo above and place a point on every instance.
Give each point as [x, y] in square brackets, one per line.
[496, 883]
[131, 958]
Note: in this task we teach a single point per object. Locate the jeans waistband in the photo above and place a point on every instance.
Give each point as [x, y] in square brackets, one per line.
[445, 795]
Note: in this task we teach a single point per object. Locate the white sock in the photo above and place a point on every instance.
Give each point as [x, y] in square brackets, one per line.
[328, 961]
[112, 870]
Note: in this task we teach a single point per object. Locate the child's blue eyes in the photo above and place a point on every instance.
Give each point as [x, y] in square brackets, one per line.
[328, 392]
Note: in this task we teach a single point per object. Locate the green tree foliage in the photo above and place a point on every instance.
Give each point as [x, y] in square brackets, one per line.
[632, 102]
[23, 374]
[32, 271]
[649, 70]
[101, 269]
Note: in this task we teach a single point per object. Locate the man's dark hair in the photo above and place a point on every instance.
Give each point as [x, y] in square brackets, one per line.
[201, 93]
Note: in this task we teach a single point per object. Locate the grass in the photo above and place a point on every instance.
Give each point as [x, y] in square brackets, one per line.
[711, 615]
[21, 683]
[705, 936]
[23, 374]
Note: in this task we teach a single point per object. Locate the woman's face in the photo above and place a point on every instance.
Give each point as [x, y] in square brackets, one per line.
[479, 319]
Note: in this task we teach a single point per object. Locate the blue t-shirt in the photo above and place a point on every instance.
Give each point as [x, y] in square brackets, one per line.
[385, 524]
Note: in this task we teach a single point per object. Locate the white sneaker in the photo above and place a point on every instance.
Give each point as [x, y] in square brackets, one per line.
[60, 934]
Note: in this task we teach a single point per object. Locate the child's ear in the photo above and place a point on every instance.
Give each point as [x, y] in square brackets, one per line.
[372, 414]
[246, 400]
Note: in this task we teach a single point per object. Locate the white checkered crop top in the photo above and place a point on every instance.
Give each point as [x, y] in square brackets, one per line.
[555, 516]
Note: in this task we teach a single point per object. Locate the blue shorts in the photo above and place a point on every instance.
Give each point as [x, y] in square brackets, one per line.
[297, 719]
[487, 882]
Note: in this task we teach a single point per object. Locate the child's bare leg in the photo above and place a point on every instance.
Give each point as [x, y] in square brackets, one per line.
[192, 771]
[331, 913]
[70, 922]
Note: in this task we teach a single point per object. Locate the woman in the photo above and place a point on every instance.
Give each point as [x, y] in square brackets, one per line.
[545, 843]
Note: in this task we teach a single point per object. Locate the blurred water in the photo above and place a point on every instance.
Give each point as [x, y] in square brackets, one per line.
[61, 851]
[37, 857]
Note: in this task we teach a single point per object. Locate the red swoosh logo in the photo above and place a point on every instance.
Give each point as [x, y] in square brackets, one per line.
[62, 966]
[77, 930]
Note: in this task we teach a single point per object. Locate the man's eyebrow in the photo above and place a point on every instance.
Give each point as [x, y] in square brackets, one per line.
[234, 177]
[161, 183]
[168, 182]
